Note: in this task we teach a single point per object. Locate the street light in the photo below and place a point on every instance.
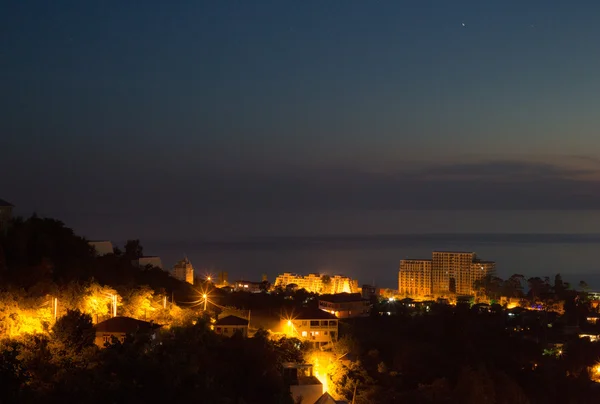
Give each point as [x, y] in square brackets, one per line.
[205, 296]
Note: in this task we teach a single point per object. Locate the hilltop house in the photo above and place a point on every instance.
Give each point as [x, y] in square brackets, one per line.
[227, 326]
[311, 325]
[345, 305]
[120, 327]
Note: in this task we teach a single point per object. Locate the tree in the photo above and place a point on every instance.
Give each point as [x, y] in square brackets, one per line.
[584, 286]
[513, 286]
[74, 331]
[140, 303]
[265, 286]
[559, 286]
[475, 387]
[133, 249]
[490, 285]
[537, 287]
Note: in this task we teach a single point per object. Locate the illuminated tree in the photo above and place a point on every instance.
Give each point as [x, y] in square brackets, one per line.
[140, 303]
[97, 300]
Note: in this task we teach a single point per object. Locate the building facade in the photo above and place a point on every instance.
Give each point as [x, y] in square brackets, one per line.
[311, 325]
[447, 273]
[345, 305]
[120, 328]
[414, 278]
[304, 386]
[184, 271]
[228, 326]
[454, 272]
[317, 283]
[369, 291]
[248, 286]
[102, 247]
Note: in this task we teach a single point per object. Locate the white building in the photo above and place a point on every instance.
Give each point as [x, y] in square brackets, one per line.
[102, 247]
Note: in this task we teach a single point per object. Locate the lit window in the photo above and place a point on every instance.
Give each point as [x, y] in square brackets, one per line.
[304, 333]
[316, 332]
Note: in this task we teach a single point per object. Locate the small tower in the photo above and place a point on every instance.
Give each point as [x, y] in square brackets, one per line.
[184, 271]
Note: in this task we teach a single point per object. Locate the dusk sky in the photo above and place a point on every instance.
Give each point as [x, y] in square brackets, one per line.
[165, 111]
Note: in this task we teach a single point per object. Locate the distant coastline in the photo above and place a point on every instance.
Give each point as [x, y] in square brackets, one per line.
[392, 239]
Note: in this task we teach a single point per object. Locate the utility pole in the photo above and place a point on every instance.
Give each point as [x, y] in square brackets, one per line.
[55, 307]
[354, 395]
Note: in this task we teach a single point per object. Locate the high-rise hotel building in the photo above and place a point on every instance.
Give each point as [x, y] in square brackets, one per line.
[414, 277]
[447, 273]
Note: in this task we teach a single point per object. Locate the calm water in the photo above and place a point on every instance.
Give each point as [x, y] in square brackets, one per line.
[367, 245]
[375, 259]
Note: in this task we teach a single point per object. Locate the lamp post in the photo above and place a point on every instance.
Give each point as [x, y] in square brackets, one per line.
[205, 296]
[55, 307]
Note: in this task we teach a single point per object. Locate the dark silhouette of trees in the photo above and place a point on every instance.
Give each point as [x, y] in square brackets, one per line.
[74, 331]
[133, 249]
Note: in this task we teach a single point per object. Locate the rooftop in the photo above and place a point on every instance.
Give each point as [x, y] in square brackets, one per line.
[248, 282]
[311, 314]
[327, 399]
[341, 298]
[232, 320]
[453, 252]
[127, 325]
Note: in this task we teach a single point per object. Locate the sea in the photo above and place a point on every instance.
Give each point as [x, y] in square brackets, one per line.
[368, 246]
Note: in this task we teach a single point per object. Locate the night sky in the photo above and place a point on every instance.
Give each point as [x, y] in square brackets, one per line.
[139, 119]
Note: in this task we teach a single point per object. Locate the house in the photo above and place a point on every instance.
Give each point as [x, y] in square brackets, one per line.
[120, 327]
[327, 399]
[247, 286]
[345, 305]
[311, 325]
[369, 292]
[227, 326]
[304, 387]
[102, 247]
[145, 262]
[6, 211]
